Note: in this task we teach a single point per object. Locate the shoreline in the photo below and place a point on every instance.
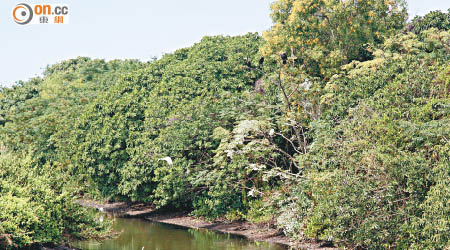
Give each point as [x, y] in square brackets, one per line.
[263, 232]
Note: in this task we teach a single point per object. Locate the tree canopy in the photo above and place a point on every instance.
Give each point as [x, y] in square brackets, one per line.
[343, 139]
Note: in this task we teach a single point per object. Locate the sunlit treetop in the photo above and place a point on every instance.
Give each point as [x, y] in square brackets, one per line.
[325, 34]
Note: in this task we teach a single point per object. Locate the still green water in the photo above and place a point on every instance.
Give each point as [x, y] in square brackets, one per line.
[140, 234]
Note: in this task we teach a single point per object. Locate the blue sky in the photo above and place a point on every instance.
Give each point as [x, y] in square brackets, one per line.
[131, 29]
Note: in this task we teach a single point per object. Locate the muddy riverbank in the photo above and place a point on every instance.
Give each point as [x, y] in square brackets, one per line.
[250, 231]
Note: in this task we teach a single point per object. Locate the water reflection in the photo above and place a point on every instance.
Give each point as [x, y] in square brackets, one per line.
[140, 234]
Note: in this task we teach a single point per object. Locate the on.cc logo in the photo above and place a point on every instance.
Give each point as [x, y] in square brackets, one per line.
[22, 13]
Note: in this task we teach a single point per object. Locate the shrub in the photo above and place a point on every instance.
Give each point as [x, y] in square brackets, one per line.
[35, 209]
[168, 109]
[434, 19]
[372, 170]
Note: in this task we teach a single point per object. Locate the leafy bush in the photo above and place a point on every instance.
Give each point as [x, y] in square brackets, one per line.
[39, 114]
[434, 19]
[34, 208]
[236, 174]
[168, 109]
[372, 177]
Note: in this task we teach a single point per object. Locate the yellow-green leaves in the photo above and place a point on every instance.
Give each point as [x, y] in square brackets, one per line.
[331, 33]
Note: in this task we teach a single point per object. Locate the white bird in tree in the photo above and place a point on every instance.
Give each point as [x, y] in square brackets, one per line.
[167, 159]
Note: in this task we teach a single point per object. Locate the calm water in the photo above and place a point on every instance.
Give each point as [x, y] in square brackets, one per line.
[140, 234]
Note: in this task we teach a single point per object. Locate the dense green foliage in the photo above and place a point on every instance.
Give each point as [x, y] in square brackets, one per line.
[348, 141]
[36, 208]
[168, 109]
[36, 118]
[38, 114]
[325, 34]
[434, 19]
[382, 150]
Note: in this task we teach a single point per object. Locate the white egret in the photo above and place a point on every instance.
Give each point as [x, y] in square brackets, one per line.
[167, 159]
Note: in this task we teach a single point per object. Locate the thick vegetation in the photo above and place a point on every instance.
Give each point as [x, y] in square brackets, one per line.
[344, 138]
[37, 192]
[168, 109]
[36, 208]
[382, 149]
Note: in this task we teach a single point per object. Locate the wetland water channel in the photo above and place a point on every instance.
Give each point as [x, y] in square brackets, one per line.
[141, 234]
